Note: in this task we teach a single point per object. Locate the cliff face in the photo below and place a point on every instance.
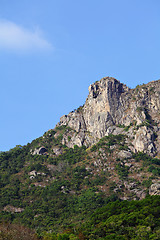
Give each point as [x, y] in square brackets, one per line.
[112, 108]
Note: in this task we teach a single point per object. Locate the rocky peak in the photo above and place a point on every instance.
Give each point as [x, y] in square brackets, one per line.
[110, 108]
[108, 85]
[102, 105]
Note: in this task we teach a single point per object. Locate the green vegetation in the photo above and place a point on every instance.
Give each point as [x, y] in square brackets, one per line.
[109, 141]
[50, 197]
[122, 170]
[56, 195]
[126, 220]
[117, 220]
[153, 164]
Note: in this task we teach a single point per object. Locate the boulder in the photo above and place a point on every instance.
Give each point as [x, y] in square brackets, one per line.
[40, 151]
[154, 189]
[124, 154]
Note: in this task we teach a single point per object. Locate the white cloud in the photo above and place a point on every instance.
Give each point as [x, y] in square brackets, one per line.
[15, 37]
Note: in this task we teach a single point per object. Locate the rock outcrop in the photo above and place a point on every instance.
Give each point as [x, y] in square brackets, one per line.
[39, 151]
[13, 209]
[112, 107]
[154, 189]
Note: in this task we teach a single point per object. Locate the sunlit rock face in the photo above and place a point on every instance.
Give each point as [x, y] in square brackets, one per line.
[111, 107]
[102, 106]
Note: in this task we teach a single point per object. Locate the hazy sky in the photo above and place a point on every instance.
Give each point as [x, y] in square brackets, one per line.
[52, 50]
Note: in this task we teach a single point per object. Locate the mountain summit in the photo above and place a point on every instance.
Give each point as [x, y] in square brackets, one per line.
[113, 108]
[106, 150]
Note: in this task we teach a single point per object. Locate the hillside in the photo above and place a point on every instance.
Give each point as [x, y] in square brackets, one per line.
[106, 150]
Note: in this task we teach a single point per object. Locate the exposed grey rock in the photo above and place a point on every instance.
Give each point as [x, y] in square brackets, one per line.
[124, 154]
[13, 209]
[33, 174]
[111, 105]
[144, 140]
[130, 185]
[141, 194]
[57, 150]
[102, 105]
[39, 151]
[154, 189]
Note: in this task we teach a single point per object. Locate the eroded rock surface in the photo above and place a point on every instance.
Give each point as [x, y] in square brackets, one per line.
[40, 151]
[154, 189]
[111, 104]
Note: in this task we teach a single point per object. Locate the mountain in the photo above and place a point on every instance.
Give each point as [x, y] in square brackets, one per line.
[105, 151]
[109, 108]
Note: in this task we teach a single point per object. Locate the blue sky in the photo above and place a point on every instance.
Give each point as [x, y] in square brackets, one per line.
[51, 51]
